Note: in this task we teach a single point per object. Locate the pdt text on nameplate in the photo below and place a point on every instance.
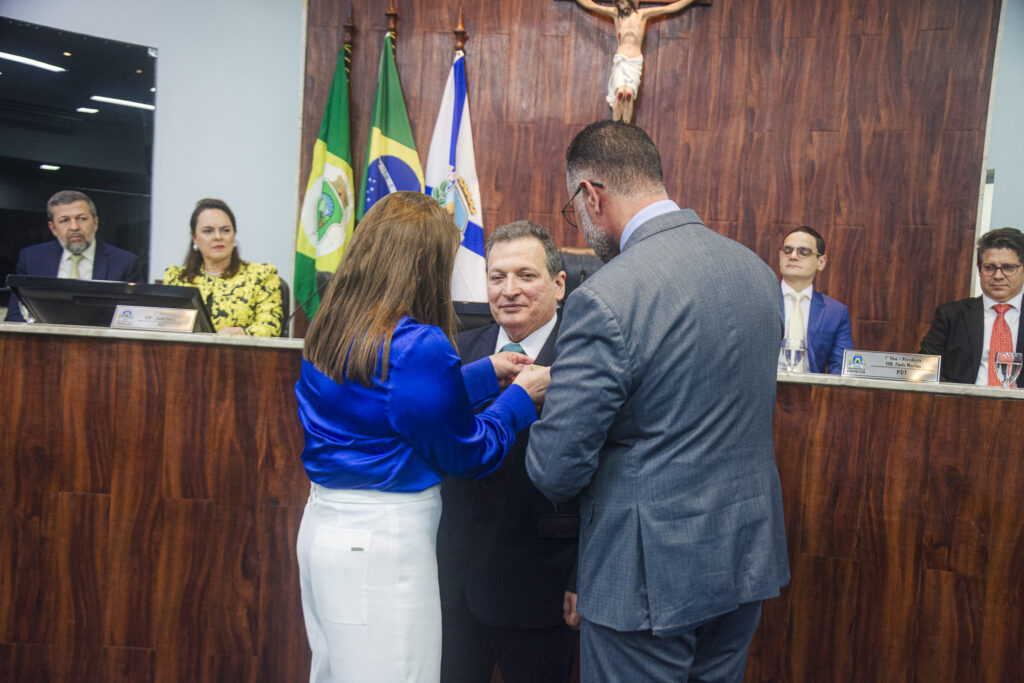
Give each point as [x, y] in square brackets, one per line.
[906, 367]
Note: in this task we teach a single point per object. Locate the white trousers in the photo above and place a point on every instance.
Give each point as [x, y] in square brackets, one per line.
[368, 569]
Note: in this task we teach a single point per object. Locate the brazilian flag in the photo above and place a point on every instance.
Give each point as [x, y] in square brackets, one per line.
[392, 163]
[328, 208]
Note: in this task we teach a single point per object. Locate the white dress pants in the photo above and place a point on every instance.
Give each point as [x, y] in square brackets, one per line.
[368, 569]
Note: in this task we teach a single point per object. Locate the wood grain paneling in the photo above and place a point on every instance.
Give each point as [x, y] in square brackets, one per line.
[150, 496]
[903, 517]
[867, 114]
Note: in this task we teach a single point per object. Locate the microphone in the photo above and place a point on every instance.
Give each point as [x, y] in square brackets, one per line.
[309, 298]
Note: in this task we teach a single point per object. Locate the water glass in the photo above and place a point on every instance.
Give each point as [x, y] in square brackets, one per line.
[1008, 367]
[793, 351]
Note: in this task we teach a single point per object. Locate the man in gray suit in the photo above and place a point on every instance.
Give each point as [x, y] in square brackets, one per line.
[659, 416]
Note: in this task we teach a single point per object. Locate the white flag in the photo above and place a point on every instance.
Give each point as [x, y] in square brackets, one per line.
[451, 180]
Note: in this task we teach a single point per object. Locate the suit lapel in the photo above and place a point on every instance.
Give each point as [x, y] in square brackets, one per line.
[53, 258]
[547, 354]
[99, 262]
[975, 323]
[483, 344]
[815, 314]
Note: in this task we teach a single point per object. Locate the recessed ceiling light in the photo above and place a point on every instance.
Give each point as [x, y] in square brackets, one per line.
[49, 167]
[66, 54]
[152, 90]
[138, 71]
[87, 110]
[31, 62]
[123, 103]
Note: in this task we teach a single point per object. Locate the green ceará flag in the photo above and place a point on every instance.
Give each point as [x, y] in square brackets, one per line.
[328, 216]
[392, 163]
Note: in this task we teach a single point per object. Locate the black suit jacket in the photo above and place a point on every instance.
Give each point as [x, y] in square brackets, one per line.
[501, 545]
[957, 334]
[43, 260]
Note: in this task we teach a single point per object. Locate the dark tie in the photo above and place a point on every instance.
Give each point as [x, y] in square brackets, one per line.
[1002, 340]
[512, 346]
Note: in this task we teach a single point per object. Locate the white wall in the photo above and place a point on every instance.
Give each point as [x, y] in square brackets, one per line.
[1006, 140]
[229, 89]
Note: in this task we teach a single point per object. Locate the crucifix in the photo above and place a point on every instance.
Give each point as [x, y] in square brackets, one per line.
[628, 63]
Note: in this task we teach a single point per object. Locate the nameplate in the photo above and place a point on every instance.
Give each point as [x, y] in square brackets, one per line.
[151, 318]
[906, 367]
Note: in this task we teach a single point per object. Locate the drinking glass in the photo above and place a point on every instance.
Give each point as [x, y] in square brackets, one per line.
[793, 351]
[1008, 367]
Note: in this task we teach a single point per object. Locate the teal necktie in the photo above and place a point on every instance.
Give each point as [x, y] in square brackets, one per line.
[512, 346]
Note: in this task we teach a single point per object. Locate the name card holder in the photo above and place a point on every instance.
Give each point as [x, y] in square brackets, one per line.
[904, 367]
[151, 318]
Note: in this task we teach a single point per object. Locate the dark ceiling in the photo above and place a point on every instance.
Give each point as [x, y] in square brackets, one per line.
[38, 118]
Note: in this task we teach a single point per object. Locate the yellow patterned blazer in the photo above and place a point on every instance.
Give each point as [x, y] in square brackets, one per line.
[250, 300]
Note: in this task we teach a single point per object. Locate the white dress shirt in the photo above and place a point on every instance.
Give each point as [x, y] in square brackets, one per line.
[1012, 317]
[84, 266]
[533, 343]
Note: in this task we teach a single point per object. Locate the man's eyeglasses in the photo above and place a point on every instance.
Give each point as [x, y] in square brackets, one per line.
[802, 252]
[569, 211]
[1008, 270]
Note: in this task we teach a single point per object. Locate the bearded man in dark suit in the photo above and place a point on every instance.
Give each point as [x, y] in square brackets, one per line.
[506, 556]
[659, 417]
[76, 253]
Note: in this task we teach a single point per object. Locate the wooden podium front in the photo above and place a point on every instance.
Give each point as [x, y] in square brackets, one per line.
[151, 491]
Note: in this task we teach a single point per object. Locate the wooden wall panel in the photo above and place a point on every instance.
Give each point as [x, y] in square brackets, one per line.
[862, 117]
[150, 496]
[903, 517]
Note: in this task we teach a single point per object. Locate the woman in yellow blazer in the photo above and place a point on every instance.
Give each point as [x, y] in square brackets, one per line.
[243, 297]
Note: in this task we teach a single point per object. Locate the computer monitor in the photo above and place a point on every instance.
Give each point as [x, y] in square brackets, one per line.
[61, 301]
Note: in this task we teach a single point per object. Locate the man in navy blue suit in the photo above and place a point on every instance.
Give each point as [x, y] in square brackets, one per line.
[76, 253]
[820, 320]
[506, 557]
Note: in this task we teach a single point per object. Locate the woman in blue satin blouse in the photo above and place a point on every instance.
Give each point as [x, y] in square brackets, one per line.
[388, 410]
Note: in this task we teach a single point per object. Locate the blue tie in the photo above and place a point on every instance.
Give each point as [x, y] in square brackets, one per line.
[512, 346]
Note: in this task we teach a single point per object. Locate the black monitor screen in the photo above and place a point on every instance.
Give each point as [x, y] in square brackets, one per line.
[60, 301]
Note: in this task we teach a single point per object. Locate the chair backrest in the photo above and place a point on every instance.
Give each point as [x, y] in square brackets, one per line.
[286, 307]
[579, 264]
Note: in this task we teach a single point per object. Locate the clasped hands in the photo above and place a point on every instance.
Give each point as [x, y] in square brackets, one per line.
[518, 368]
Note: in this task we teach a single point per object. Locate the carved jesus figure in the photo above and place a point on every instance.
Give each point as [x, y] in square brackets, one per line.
[627, 66]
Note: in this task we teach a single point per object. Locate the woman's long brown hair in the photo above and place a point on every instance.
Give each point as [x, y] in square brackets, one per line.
[399, 262]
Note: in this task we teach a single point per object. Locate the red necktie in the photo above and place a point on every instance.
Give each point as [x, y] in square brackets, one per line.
[1001, 340]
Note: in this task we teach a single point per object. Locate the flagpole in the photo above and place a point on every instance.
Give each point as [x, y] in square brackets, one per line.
[392, 15]
[460, 34]
[350, 41]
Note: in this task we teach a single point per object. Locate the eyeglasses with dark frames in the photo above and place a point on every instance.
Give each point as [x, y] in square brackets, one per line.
[802, 252]
[1008, 270]
[569, 211]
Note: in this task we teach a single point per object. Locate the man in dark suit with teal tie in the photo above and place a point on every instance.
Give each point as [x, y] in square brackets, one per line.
[76, 253]
[659, 417]
[507, 556]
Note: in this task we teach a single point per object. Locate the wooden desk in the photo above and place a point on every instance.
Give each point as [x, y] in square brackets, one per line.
[151, 492]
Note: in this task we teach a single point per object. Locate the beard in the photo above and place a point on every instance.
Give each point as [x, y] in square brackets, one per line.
[597, 239]
[623, 13]
[76, 247]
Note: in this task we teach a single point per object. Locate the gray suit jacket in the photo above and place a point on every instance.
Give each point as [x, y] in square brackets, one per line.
[659, 414]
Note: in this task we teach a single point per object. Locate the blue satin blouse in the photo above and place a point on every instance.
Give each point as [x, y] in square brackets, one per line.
[406, 433]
